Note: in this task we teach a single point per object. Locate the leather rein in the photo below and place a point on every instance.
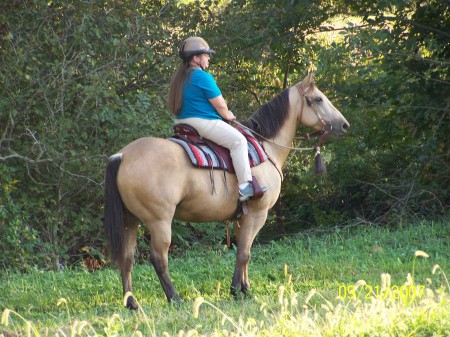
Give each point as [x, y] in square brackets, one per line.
[323, 134]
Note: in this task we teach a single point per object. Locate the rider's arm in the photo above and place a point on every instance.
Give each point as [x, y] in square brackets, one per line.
[222, 108]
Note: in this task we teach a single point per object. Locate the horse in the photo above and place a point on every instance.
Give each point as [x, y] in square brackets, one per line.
[152, 181]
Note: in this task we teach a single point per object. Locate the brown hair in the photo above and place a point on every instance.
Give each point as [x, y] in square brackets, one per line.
[175, 96]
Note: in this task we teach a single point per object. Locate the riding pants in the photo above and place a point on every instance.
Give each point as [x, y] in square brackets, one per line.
[227, 136]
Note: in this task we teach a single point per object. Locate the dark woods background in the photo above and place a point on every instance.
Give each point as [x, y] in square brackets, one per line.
[80, 79]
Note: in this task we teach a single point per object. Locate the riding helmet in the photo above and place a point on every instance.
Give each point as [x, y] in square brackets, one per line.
[194, 45]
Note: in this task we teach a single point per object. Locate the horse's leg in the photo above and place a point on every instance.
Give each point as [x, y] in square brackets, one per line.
[246, 232]
[240, 283]
[127, 260]
[161, 233]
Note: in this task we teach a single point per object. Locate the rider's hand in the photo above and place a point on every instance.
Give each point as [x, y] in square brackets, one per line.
[231, 117]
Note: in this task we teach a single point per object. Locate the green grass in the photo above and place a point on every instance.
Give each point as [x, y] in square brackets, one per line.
[302, 286]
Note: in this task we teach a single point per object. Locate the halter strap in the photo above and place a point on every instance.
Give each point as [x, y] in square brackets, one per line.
[300, 90]
[323, 134]
[302, 93]
[327, 128]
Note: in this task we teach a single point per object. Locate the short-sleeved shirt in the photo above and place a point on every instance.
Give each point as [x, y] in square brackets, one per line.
[198, 88]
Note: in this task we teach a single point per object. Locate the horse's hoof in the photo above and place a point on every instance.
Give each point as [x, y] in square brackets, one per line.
[236, 293]
[132, 303]
[245, 293]
[233, 291]
[176, 300]
[239, 293]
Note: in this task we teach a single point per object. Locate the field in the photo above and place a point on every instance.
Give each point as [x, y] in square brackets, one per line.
[354, 281]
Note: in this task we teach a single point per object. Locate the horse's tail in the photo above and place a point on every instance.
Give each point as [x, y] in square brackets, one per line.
[113, 220]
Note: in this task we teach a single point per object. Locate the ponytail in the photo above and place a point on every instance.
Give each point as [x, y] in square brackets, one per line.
[175, 96]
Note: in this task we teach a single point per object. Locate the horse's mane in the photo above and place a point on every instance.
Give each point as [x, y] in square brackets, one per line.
[270, 117]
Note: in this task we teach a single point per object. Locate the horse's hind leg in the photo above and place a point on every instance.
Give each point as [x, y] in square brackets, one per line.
[127, 260]
[161, 233]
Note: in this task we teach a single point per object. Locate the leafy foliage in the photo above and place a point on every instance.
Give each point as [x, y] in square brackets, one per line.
[79, 80]
[21, 246]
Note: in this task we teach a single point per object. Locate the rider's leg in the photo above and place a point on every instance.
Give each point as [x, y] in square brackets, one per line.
[227, 136]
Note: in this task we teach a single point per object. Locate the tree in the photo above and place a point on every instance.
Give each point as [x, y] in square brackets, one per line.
[79, 80]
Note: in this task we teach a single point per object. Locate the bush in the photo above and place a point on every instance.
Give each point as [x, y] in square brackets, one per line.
[20, 244]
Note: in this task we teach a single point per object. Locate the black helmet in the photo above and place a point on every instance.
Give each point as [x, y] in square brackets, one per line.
[194, 46]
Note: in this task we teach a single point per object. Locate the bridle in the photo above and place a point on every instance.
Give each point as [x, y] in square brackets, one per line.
[323, 134]
[326, 129]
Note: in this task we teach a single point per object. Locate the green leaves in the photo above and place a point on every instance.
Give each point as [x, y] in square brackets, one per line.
[80, 80]
[75, 74]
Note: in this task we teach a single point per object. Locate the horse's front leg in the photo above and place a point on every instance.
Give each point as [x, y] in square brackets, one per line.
[246, 232]
[240, 282]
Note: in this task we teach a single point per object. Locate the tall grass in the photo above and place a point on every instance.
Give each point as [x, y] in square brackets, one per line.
[347, 282]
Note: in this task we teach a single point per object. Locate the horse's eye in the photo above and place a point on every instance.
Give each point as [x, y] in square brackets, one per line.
[318, 99]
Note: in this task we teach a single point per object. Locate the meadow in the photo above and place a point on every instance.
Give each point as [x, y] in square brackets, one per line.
[353, 281]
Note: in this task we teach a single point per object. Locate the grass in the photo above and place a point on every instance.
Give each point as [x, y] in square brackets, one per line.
[308, 285]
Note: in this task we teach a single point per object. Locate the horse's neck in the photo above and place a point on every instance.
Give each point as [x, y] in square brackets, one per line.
[278, 147]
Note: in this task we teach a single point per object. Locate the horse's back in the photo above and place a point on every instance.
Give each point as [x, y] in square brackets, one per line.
[150, 146]
[157, 179]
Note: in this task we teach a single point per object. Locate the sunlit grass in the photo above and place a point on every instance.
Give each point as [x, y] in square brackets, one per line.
[355, 282]
[285, 314]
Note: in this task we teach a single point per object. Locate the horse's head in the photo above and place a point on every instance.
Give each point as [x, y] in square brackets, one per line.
[317, 111]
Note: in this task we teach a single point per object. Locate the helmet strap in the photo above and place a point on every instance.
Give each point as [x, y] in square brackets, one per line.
[197, 63]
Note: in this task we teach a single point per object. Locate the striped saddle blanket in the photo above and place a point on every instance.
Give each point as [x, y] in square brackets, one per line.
[207, 154]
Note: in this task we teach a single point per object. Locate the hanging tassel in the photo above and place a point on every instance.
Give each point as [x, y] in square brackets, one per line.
[227, 231]
[319, 164]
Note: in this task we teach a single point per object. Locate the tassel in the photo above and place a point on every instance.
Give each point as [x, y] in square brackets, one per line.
[319, 164]
[227, 230]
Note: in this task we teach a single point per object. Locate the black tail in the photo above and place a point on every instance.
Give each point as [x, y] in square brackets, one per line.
[113, 218]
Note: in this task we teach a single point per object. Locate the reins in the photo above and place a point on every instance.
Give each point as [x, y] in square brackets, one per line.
[323, 134]
[272, 142]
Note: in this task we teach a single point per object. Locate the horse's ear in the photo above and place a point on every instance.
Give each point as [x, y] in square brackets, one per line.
[308, 80]
[310, 76]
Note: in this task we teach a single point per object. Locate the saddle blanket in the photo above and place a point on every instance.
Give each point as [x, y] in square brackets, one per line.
[207, 154]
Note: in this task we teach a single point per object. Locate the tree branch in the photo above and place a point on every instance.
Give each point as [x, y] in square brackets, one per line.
[15, 155]
[418, 25]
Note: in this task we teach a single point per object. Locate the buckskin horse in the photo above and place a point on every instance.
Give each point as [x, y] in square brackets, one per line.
[152, 181]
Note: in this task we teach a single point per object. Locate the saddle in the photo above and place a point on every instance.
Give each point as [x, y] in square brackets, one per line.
[204, 153]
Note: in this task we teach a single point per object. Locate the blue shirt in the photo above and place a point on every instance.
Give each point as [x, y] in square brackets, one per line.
[197, 90]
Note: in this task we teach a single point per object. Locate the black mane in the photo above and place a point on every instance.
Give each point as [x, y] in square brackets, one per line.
[270, 117]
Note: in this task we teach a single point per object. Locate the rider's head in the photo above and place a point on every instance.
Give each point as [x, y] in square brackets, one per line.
[195, 51]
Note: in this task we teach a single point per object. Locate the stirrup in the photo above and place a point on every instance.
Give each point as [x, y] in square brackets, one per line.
[246, 193]
[252, 191]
